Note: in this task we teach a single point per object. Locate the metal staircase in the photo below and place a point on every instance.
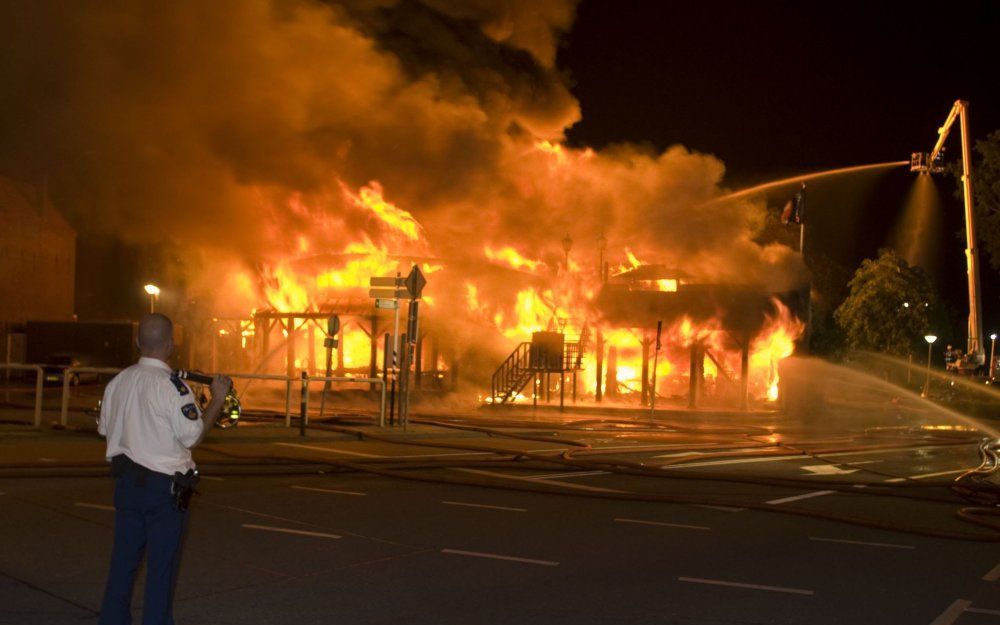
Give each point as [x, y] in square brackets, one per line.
[511, 377]
[518, 370]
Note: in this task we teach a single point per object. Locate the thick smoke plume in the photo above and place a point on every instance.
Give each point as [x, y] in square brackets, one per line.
[247, 129]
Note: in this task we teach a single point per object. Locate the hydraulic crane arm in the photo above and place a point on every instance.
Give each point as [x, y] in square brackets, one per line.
[960, 112]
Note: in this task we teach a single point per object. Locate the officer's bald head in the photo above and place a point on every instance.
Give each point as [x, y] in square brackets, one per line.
[156, 336]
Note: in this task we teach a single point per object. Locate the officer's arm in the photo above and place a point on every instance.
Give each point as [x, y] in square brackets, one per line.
[220, 387]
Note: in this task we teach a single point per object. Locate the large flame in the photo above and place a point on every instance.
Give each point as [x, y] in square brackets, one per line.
[556, 296]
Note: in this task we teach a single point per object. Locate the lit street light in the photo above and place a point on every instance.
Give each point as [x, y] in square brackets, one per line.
[930, 338]
[152, 290]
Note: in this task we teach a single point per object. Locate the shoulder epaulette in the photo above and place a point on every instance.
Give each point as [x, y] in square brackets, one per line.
[179, 384]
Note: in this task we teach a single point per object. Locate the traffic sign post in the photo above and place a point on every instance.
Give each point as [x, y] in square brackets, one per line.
[330, 343]
[387, 291]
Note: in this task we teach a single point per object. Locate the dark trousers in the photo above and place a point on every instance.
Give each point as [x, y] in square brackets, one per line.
[145, 521]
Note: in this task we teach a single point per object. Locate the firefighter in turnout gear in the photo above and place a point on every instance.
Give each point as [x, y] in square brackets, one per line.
[151, 421]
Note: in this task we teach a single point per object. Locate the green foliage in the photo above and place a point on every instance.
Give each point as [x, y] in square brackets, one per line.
[985, 194]
[889, 307]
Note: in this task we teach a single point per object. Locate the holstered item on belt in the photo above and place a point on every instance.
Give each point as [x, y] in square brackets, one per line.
[182, 487]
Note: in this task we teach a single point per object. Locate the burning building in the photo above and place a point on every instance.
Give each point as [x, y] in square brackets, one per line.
[291, 151]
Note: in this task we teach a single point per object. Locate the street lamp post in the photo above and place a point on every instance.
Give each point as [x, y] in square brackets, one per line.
[930, 338]
[152, 290]
[567, 245]
[602, 246]
[993, 355]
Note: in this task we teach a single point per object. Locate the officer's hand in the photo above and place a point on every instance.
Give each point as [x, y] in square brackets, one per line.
[221, 385]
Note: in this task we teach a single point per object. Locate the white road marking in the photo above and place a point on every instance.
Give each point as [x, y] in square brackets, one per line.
[709, 463]
[329, 450]
[680, 525]
[925, 476]
[723, 508]
[360, 454]
[95, 506]
[951, 614]
[993, 575]
[537, 480]
[716, 582]
[860, 542]
[493, 556]
[827, 469]
[983, 611]
[285, 530]
[330, 490]
[213, 478]
[482, 505]
[818, 493]
[553, 476]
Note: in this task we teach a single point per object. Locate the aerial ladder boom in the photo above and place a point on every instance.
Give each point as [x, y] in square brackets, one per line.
[929, 163]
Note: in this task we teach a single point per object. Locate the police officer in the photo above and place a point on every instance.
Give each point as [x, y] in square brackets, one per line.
[151, 421]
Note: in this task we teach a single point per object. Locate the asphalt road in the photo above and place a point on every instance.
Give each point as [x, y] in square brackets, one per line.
[457, 530]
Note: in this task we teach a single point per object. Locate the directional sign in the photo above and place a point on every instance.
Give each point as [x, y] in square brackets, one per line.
[389, 293]
[415, 282]
[386, 304]
[386, 281]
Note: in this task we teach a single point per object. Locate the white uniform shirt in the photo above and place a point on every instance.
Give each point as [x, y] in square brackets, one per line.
[151, 417]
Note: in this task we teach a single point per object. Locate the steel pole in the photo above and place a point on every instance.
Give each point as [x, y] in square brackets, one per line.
[927, 382]
[303, 403]
[993, 362]
[39, 385]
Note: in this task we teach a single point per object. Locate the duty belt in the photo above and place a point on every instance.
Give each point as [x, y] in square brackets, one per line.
[181, 484]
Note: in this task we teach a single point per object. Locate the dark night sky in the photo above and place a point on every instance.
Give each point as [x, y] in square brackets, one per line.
[781, 88]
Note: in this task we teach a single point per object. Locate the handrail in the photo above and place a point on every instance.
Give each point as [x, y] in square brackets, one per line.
[269, 376]
[510, 370]
[64, 405]
[39, 381]
[288, 380]
[307, 379]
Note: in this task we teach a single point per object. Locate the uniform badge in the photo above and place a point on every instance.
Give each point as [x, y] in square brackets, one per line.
[190, 411]
[181, 386]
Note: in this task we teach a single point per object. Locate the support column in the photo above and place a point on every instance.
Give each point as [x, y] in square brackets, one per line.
[697, 373]
[262, 332]
[311, 350]
[599, 392]
[562, 390]
[290, 347]
[611, 387]
[435, 372]
[340, 350]
[745, 372]
[645, 369]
